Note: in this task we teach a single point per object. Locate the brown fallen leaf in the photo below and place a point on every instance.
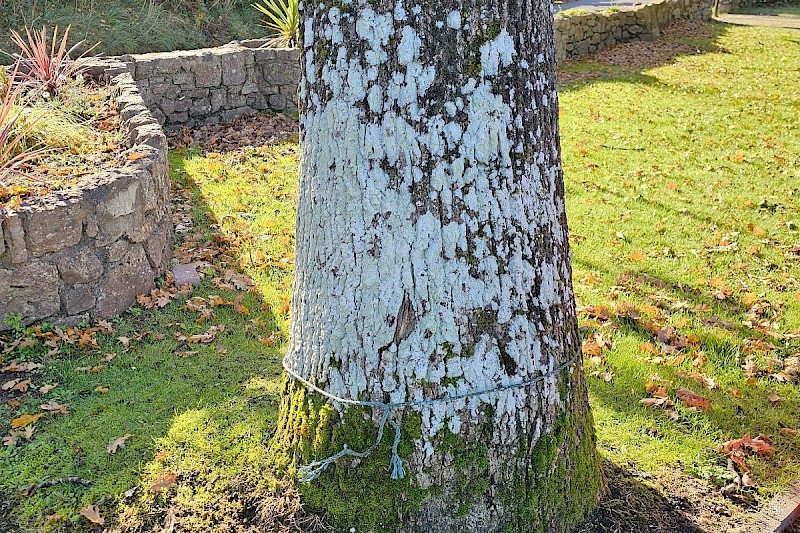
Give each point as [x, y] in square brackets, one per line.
[118, 443]
[26, 420]
[736, 393]
[21, 367]
[656, 402]
[91, 369]
[92, 514]
[44, 389]
[693, 400]
[605, 376]
[13, 403]
[54, 407]
[19, 384]
[591, 349]
[164, 482]
[761, 445]
[774, 399]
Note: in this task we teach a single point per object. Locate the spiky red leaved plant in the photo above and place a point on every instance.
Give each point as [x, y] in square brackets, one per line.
[11, 134]
[47, 65]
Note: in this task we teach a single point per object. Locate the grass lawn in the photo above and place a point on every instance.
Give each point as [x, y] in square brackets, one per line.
[682, 183]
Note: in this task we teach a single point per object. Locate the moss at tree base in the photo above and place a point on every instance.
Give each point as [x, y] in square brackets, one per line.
[555, 492]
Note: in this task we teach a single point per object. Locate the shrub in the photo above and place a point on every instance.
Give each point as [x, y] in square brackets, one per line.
[283, 19]
[42, 65]
[13, 151]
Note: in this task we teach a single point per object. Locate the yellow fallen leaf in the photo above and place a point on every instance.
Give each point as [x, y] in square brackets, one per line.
[102, 389]
[26, 420]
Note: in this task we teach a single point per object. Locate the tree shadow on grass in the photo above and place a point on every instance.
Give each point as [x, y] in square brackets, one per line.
[199, 415]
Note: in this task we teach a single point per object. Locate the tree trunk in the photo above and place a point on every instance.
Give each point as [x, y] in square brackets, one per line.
[432, 261]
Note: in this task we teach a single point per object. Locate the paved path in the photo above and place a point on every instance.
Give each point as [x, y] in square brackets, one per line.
[770, 21]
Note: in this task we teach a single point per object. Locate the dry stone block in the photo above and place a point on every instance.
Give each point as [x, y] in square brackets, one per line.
[233, 69]
[78, 299]
[14, 235]
[208, 72]
[81, 267]
[123, 202]
[32, 290]
[118, 250]
[159, 245]
[186, 274]
[54, 228]
[119, 288]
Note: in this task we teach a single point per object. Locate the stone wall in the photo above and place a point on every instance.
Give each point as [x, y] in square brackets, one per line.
[585, 33]
[89, 250]
[186, 88]
[729, 6]
[217, 84]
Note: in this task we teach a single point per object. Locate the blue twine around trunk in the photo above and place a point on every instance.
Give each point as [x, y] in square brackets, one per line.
[314, 469]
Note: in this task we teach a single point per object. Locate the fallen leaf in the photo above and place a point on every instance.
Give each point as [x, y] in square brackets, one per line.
[118, 443]
[693, 400]
[26, 420]
[774, 399]
[44, 389]
[91, 369]
[13, 403]
[635, 257]
[102, 390]
[760, 445]
[164, 482]
[656, 402]
[21, 367]
[92, 514]
[54, 407]
[736, 393]
[605, 376]
[591, 348]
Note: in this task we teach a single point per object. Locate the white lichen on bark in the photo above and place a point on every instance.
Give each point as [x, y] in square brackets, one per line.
[431, 236]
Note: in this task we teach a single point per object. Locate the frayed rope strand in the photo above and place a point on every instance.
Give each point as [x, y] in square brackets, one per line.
[313, 470]
[396, 463]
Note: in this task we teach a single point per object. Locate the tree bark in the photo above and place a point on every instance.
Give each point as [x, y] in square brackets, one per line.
[432, 259]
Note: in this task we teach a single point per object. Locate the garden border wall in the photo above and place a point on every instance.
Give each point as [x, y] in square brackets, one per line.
[89, 250]
[586, 33]
[185, 88]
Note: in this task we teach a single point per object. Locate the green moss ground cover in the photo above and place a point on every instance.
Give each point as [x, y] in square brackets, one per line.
[682, 183]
